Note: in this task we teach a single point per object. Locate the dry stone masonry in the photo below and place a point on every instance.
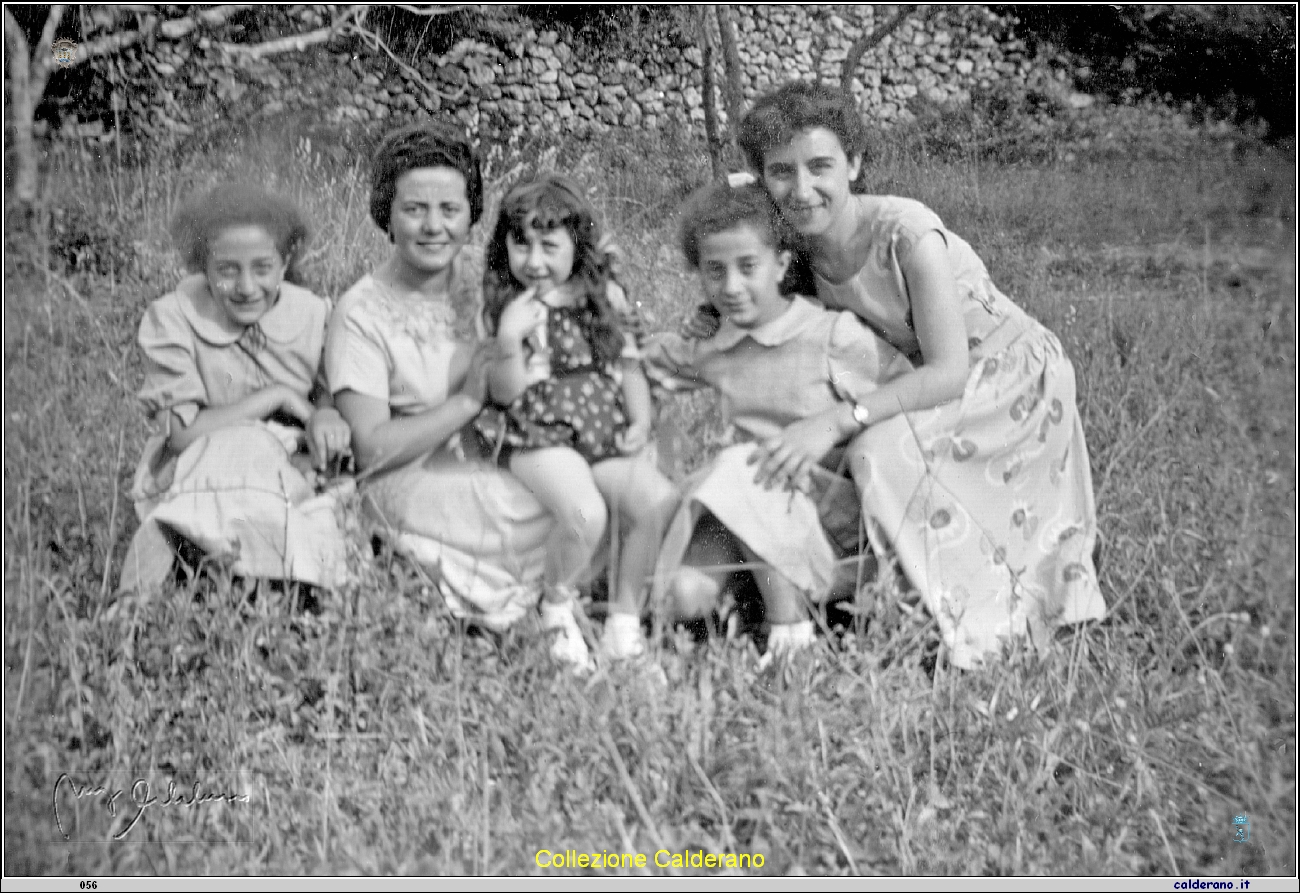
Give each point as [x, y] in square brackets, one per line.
[554, 81]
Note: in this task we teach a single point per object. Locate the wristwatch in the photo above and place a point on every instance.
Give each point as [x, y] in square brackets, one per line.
[860, 415]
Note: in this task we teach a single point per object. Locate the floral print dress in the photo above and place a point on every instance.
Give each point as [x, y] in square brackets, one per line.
[987, 500]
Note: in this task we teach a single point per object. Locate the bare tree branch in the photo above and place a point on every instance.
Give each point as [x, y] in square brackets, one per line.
[292, 43]
[377, 42]
[41, 65]
[868, 41]
[209, 18]
[440, 10]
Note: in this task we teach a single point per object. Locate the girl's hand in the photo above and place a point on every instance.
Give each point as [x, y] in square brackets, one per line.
[286, 399]
[703, 325]
[328, 437]
[521, 317]
[634, 439]
[787, 460]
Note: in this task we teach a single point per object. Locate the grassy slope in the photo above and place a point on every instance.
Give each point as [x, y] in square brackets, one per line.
[379, 737]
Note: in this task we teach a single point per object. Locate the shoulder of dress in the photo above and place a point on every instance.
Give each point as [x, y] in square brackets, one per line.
[908, 215]
[296, 314]
[164, 318]
[360, 293]
[190, 307]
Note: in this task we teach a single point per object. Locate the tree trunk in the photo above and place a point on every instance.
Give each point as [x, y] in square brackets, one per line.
[732, 92]
[867, 41]
[710, 87]
[27, 79]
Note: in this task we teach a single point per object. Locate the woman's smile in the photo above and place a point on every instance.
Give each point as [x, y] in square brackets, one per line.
[809, 179]
[430, 219]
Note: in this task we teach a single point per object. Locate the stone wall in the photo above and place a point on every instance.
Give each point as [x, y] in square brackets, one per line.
[554, 80]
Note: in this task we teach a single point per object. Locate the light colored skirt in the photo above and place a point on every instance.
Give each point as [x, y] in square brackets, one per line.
[987, 501]
[236, 496]
[798, 535]
[476, 527]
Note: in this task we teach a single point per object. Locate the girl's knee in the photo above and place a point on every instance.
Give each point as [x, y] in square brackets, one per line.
[584, 518]
[692, 593]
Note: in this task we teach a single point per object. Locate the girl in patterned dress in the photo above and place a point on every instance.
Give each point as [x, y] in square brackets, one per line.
[570, 411]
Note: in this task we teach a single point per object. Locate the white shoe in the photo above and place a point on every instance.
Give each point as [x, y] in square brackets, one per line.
[568, 646]
[622, 639]
[785, 639]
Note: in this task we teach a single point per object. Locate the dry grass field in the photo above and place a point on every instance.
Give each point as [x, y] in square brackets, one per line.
[378, 736]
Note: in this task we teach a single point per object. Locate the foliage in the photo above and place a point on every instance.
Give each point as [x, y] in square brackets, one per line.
[1235, 61]
[1010, 123]
[376, 736]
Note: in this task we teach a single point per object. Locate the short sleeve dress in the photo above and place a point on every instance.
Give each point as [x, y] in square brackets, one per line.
[798, 365]
[987, 500]
[235, 494]
[478, 527]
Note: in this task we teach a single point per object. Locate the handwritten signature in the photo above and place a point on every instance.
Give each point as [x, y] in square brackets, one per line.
[141, 799]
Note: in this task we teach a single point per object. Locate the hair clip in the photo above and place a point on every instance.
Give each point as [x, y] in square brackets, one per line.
[739, 179]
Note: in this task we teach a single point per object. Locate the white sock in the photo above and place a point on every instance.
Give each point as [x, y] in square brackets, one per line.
[568, 646]
[622, 637]
[787, 638]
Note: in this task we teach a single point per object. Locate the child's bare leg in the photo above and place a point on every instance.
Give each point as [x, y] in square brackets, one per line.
[695, 589]
[641, 502]
[782, 600]
[784, 605]
[563, 483]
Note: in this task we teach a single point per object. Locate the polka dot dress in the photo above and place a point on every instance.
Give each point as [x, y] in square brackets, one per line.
[580, 406]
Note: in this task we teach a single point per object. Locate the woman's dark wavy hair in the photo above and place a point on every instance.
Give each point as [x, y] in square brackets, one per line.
[205, 217]
[546, 203]
[717, 208]
[799, 105]
[416, 146]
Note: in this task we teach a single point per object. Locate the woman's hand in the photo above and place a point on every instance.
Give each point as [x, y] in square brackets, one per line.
[521, 317]
[476, 376]
[633, 439]
[328, 437]
[703, 324]
[787, 459]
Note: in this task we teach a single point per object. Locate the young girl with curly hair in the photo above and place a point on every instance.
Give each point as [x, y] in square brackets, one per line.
[571, 410]
[233, 384]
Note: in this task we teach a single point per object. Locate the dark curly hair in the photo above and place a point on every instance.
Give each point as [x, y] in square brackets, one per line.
[778, 116]
[416, 146]
[205, 217]
[717, 208]
[546, 203]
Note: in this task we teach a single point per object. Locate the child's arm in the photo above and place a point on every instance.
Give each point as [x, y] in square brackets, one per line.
[640, 409]
[508, 375]
[858, 364]
[255, 407]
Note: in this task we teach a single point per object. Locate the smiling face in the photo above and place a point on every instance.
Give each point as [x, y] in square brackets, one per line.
[544, 259]
[741, 272]
[244, 272]
[809, 179]
[430, 220]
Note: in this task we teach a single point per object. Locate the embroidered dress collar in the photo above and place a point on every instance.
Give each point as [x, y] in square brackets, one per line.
[797, 317]
[284, 323]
